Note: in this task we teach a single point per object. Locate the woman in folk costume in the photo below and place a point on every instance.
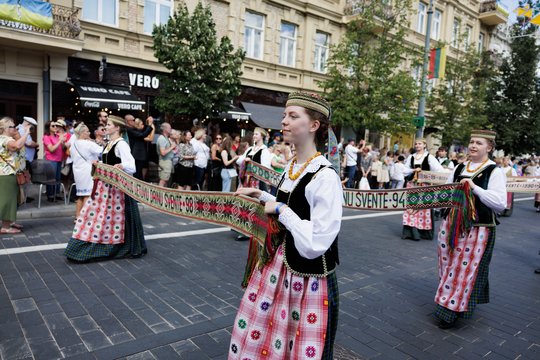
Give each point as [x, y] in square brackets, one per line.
[290, 307]
[418, 224]
[109, 225]
[464, 258]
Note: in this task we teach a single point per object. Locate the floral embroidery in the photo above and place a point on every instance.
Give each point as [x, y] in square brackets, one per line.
[265, 305]
[255, 334]
[234, 348]
[310, 351]
[273, 279]
[242, 324]
[315, 286]
[283, 314]
[278, 344]
[312, 318]
[252, 297]
[286, 283]
[297, 286]
[296, 315]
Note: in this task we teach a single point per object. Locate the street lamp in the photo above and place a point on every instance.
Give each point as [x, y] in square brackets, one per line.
[421, 114]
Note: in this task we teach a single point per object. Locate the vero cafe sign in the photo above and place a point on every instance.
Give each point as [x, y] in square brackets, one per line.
[145, 81]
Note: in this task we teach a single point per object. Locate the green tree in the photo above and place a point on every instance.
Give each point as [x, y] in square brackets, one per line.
[367, 85]
[514, 105]
[204, 73]
[458, 104]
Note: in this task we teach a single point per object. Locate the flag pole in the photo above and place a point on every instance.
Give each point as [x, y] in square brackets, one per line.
[422, 101]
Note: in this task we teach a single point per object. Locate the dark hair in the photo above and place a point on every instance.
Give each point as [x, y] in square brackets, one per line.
[321, 136]
[226, 144]
[47, 128]
[401, 158]
[442, 148]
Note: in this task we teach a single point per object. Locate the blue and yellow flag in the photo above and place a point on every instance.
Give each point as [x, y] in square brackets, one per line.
[32, 12]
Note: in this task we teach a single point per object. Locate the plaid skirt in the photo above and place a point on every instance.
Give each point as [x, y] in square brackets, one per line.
[480, 290]
[284, 316]
[134, 244]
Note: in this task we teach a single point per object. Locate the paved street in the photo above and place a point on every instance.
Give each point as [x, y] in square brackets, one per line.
[180, 300]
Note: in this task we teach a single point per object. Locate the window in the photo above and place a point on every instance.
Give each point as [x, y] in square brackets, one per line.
[254, 35]
[455, 33]
[287, 46]
[156, 12]
[436, 25]
[417, 74]
[321, 51]
[421, 19]
[468, 34]
[480, 42]
[102, 11]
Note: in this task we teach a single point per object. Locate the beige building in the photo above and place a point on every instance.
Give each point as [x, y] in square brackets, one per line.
[98, 55]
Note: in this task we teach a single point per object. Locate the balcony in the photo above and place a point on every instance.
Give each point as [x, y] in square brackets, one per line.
[380, 10]
[493, 13]
[62, 37]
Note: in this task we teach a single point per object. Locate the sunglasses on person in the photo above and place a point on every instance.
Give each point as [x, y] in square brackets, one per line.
[54, 125]
[218, 138]
[12, 127]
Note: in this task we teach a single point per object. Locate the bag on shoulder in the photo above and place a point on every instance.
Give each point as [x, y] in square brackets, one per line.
[23, 177]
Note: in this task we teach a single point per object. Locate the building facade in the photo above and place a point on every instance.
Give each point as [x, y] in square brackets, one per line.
[99, 56]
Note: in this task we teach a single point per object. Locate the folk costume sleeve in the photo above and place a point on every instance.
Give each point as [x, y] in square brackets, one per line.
[123, 151]
[266, 158]
[495, 195]
[407, 169]
[313, 237]
[242, 157]
[266, 197]
[434, 164]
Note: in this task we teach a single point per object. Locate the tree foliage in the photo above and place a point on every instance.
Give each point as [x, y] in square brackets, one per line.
[204, 73]
[368, 86]
[514, 107]
[458, 104]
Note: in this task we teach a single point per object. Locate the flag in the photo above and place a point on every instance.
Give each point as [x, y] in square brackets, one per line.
[437, 63]
[32, 12]
[535, 20]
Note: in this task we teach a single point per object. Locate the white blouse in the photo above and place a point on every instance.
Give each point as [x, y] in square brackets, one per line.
[266, 156]
[434, 164]
[324, 195]
[494, 196]
[123, 151]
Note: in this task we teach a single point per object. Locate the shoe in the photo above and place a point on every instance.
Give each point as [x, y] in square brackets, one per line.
[446, 325]
[242, 238]
[10, 231]
[538, 210]
[60, 198]
[50, 199]
[16, 226]
[537, 271]
[29, 199]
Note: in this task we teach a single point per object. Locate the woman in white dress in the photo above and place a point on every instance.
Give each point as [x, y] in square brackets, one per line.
[83, 152]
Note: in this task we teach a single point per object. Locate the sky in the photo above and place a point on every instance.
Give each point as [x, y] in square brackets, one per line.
[512, 6]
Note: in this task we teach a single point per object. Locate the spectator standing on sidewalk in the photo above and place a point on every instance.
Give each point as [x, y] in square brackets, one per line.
[183, 171]
[137, 132]
[228, 173]
[165, 148]
[216, 164]
[202, 155]
[10, 163]
[54, 152]
[351, 154]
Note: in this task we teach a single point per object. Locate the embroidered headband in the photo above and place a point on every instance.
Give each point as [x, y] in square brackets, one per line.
[310, 101]
[486, 134]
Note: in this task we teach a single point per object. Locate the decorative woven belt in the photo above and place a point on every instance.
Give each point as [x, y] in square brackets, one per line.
[515, 184]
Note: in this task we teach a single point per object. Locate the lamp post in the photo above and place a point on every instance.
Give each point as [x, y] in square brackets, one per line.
[420, 115]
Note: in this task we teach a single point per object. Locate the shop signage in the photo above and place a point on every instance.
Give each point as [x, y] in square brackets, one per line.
[146, 81]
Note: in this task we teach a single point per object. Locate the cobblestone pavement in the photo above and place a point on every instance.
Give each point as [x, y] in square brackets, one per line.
[180, 300]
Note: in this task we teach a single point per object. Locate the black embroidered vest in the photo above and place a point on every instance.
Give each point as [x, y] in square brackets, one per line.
[256, 157]
[110, 157]
[486, 216]
[424, 166]
[298, 265]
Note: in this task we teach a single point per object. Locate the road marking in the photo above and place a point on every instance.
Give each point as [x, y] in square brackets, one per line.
[35, 248]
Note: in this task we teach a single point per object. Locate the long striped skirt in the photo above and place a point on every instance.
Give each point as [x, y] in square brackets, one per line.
[284, 316]
[463, 272]
[106, 226]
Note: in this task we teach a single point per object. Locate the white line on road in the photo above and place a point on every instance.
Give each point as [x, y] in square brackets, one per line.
[35, 248]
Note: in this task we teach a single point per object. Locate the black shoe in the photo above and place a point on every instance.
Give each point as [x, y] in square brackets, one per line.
[446, 325]
[60, 198]
[50, 199]
[29, 199]
[242, 238]
[537, 271]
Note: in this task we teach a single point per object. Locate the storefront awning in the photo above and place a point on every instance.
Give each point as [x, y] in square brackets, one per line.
[112, 97]
[235, 113]
[265, 116]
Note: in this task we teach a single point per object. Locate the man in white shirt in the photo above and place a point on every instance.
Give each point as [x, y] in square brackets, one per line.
[351, 152]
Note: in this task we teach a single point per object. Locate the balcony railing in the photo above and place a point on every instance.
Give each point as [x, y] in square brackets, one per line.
[382, 9]
[66, 23]
[494, 5]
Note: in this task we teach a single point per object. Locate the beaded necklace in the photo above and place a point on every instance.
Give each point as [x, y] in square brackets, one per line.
[299, 172]
[478, 167]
